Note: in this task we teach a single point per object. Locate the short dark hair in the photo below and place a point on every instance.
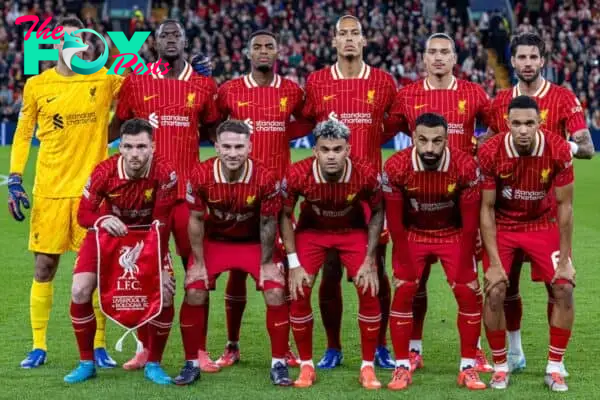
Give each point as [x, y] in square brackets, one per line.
[441, 36]
[71, 21]
[524, 102]
[431, 120]
[527, 39]
[262, 32]
[170, 21]
[235, 126]
[135, 126]
[347, 16]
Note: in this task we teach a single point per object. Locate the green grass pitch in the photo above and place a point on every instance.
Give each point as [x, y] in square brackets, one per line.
[250, 377]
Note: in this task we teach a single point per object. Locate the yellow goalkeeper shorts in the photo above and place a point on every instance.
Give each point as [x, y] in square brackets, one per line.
[54, 228]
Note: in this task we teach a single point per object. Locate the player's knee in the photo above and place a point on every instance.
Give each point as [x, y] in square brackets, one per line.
[495, 296]
[81, 292]
[196, 297]
[274, 297]
[45, 267]
[404, 295]
[562, 294]
[467, 295]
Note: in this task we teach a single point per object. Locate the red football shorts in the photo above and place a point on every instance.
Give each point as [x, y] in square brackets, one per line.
[180, 218]
[87, 257]
[541, 247]
[222, 256]
[409, 266]
[312, 247]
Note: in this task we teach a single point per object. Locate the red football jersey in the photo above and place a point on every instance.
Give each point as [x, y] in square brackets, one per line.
[560, 110]
[462, 103]
[432, 198]
[360, 103]
[109, 191]
[332, 205]
[175, 108]
[234, 208]
[523, 184]
[268, 111]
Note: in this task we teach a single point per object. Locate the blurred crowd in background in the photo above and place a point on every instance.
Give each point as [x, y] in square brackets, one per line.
[396, 31]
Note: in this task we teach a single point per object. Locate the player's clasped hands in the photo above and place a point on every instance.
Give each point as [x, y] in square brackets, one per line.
[298, 278]
[366, 277]
[114, 226]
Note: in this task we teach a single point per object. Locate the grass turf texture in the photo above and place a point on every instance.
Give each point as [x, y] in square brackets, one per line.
[250, 378]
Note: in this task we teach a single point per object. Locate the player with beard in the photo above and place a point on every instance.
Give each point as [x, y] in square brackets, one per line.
[462, 104]
[267, 102]
[176, 104]
[560, 113]
[359, 96]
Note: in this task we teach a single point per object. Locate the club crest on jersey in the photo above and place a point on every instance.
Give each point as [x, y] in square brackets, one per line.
[148, 195]
[545, 175]
[93, 94]
[350, 197]
[191, 97]
[462, 106]
[451, 188]
[543, 116]
[283, 104]
[371, 96]
[250, 200]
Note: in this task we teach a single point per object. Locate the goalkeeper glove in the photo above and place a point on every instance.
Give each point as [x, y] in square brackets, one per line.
[201, 64]
[16, 196]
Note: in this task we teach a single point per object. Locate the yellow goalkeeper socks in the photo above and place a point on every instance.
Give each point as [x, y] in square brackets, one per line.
[40, 304]
[100, 338]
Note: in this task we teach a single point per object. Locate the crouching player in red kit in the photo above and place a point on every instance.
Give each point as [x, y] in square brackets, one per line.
[332, 217]
[243, 200]
[432, 202]
[119, 187]
[527, 206]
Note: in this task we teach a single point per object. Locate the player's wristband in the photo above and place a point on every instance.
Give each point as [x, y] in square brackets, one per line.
[293, 261]
[574, 147]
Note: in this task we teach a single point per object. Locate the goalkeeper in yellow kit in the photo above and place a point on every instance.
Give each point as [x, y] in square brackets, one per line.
[72, 115]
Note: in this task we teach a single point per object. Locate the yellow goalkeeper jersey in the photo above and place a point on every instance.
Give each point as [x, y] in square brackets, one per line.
[72, 115]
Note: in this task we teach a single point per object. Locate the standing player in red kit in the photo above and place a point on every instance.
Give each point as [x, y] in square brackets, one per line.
[461, 103]
[359, 96]
[266, 102]
[527, 208]
[560, 113]
[243, 201]
[176, 104]
[335, 188]
[130, 188]
[432, 207]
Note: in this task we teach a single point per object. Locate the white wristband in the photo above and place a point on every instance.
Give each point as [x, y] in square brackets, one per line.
[574, 147]
[293, 261]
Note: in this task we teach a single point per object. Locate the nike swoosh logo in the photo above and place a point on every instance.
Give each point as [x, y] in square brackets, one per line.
[214, 201]
[419, 106]
[403, 323]
[412, 189]
[474, 322]
[373, 329]
[146, 98]
[329, 97]
[298, 329]
[278, 324]
[51, 99]
[504, 176]
[242, 103]
[113, 195]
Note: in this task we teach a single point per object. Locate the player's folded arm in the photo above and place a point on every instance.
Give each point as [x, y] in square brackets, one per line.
[94, 193]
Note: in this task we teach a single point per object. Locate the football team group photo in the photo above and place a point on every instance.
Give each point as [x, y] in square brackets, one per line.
[165, 207]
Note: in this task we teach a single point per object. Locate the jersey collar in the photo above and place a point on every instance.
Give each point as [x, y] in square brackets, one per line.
[318, 174]
[540, 93]
[123, 174]
[418, 164]
[452, 86]
[251, 83]
[336, 72]
[244, 176]
[184, 76]
[538, 147]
